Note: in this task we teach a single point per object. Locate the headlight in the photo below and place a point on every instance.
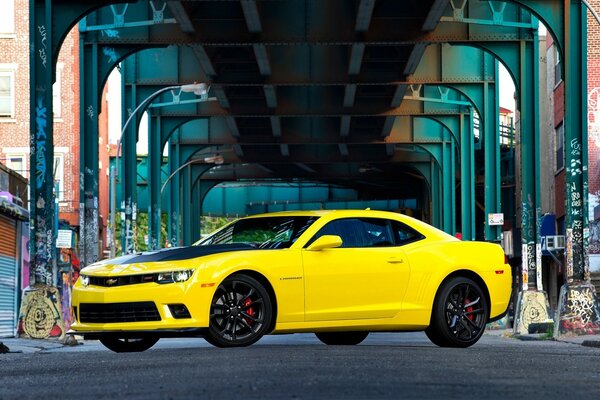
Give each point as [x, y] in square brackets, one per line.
[174, 276]
[85, 280]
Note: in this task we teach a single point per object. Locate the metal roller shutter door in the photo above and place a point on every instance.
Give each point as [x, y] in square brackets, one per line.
[8, 276]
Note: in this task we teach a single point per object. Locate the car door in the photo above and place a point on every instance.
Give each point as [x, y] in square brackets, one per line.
[365, 278]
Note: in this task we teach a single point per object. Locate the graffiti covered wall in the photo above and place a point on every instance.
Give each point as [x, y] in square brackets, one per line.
[40, 316]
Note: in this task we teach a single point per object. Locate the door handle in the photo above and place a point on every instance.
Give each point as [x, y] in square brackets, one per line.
[395, 260]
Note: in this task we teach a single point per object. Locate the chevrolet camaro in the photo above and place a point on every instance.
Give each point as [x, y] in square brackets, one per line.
[338, 274]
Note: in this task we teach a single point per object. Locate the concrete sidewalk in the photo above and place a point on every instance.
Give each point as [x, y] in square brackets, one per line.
[17, 345]
[584, 340]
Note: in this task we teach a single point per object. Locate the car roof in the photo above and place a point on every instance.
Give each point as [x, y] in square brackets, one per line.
[424, 227]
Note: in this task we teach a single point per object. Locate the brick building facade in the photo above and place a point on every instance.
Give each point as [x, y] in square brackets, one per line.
[15, 112]
[14, 124]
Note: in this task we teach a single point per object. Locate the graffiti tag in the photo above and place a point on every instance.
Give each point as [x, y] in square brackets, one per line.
[41, 122]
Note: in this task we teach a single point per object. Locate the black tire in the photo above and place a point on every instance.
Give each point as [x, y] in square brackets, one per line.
[129, 345]
[459, 314]
[342, 338]
[240, 312]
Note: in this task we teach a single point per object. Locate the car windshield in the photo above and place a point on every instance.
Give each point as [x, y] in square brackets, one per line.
[262, 232]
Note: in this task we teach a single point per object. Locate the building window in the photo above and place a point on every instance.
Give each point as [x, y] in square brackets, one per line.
[557, 66]
[7, 17]
[7, 90]
[559, 145]
[59, 175]
[56, 92]
[18, 163]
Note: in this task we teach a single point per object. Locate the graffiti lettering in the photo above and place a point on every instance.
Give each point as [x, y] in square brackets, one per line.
[581, 303]
[40, 123]
[43, 56]
[129, 233]
[111, 53]
[42, 51]
[90, 112]
[111, 33]
[575, 147]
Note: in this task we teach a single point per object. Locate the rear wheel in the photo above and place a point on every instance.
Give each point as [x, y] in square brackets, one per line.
[240, 312]
[342, 338]
[459, 314]
[128, 345]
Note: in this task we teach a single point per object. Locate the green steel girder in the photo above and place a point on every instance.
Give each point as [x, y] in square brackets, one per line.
[49, 23]
[133, 96]
[224, 199]
[183, 118]
[425, 140]
[485, 100]
[219, 32]
[96, 64]
[434, 111]
[575, 81]
[170, 123]
[174, 204]
[442, 183]
[521, 60]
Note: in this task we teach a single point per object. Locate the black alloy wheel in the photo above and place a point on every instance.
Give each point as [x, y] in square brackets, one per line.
[240, 312]
[459, 314]
[342, 338]
[128, 345]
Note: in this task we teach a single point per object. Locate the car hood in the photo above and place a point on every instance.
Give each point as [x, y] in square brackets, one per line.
[134, 263]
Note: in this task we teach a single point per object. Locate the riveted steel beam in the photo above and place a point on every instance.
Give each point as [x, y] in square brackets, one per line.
[251, 15]
[270, 96]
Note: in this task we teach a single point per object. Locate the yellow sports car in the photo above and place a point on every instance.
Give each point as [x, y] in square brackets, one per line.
[339, 274]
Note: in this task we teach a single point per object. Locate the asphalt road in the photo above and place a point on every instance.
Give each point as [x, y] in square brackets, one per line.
[385, 366]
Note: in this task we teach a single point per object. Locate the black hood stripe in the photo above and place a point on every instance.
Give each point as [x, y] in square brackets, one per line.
[180, 253]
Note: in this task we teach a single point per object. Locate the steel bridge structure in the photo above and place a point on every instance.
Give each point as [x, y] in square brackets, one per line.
[320, 101]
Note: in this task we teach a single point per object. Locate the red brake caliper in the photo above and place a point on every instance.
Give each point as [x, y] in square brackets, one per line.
[250, 311]
[470, 309]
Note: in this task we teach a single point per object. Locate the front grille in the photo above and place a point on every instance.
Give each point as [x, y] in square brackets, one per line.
[122, 280]
[118, 312]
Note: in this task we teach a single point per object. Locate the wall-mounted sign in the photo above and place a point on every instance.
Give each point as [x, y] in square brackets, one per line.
[495, 219]
[64, 239]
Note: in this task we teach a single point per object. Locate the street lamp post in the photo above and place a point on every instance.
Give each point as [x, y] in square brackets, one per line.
[200, 89]
[217, 159]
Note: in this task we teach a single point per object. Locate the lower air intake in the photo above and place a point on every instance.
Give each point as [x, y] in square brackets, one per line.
[118, 312]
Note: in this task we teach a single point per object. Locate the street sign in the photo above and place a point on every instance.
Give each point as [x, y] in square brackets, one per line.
[64, 239]
[495, 219]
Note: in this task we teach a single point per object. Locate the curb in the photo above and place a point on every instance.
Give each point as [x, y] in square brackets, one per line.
[591, 343]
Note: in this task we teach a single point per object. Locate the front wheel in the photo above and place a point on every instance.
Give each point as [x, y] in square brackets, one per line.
[459, 314]
[342, 338]
[240, 312]
[128, 345]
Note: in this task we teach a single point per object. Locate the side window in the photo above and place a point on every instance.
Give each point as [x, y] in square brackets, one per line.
[358, 232]
[405, 234]
[379, 233]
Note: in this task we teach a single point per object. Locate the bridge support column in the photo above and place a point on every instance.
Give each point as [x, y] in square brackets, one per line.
[467, 177]
[40, 315]
[578, 311]
[154, 183]
[532, 304]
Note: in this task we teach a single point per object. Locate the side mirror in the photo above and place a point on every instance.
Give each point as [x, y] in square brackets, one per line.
[325, 242]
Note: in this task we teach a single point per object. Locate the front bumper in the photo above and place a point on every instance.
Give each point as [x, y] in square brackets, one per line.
[193, 295]
[132, 334]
